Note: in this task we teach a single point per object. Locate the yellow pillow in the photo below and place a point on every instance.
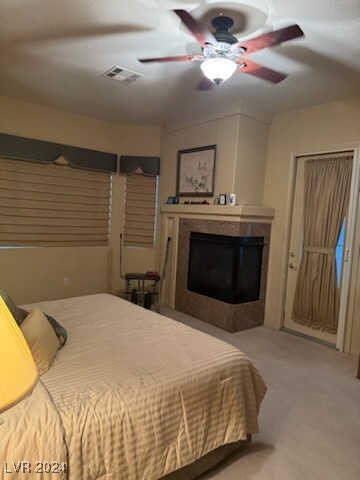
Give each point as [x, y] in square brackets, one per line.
[41, 339]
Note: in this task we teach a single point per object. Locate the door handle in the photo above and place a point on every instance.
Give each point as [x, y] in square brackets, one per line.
[292, 266]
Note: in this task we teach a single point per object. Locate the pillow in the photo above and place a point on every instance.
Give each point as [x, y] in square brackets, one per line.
[60, 331]
[18, 313]
[41, 339]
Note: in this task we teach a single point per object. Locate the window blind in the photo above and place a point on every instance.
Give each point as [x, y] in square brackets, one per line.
[49, 205]
[140, 211]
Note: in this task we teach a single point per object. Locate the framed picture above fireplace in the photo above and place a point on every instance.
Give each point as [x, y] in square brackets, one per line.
[196, 172]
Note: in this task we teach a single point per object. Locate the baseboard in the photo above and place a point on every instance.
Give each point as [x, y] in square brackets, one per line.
[308, 337]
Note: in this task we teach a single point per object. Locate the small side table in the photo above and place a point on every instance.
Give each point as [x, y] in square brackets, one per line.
[142, 288]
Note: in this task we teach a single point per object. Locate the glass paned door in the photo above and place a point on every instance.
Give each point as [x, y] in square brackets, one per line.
[295, 256]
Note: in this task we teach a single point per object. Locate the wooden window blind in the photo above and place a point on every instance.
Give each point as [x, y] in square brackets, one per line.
[140, 211]
[50, 205]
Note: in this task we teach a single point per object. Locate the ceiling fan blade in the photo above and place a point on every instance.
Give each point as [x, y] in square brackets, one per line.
[269, 39]
[181, 58]
[202, 35]
[252, 68]
[205, 84]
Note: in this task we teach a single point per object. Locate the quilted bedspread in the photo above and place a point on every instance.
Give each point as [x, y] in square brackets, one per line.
[134, 395]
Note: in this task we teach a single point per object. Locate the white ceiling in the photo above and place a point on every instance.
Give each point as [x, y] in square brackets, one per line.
[54, 52]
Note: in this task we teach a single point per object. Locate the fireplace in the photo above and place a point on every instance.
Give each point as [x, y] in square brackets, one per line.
[226, 268]
[221, 271]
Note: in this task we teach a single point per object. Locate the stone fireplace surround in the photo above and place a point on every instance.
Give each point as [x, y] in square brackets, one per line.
[240, 220]
[224, 315]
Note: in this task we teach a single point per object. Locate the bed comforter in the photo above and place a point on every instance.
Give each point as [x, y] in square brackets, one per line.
[132, 395]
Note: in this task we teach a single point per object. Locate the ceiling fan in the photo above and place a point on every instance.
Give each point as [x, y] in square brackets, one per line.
[223, 54]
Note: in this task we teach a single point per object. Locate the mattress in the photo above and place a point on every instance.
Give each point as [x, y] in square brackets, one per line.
[134, 395]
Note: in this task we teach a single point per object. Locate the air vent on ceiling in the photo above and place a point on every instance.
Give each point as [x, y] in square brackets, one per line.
[121, 74]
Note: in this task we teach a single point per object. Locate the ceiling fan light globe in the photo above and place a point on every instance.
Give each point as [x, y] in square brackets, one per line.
[218, 70]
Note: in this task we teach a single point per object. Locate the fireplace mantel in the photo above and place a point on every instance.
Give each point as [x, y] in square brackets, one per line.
[172, 215]
[240, 211]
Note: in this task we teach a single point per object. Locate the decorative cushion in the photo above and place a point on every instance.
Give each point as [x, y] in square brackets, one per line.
[60, 331]
[41, 339]
[20, 314]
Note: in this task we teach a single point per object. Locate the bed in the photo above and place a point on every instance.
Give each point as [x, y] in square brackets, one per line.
[132, 395]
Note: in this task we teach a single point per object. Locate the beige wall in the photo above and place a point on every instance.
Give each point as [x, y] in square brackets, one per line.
[240, 162]
[241, 152]
[251, 160]
[34, 274]
[320, 128]
[38, 273]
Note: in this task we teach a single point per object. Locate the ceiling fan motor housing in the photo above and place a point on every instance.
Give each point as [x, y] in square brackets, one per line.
[222, 24]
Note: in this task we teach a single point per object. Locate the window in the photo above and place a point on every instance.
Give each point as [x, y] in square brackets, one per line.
[50, 205]
[339, 253]
[140, 211]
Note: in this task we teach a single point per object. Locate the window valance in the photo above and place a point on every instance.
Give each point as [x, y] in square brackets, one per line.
[130, 164]
[29, 149]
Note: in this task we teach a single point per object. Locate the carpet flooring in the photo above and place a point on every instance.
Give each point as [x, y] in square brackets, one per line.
[310, 417]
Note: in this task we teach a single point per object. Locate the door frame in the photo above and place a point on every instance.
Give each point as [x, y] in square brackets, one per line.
[350, 233]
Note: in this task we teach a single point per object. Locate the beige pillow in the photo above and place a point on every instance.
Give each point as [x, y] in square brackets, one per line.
[41, 339]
